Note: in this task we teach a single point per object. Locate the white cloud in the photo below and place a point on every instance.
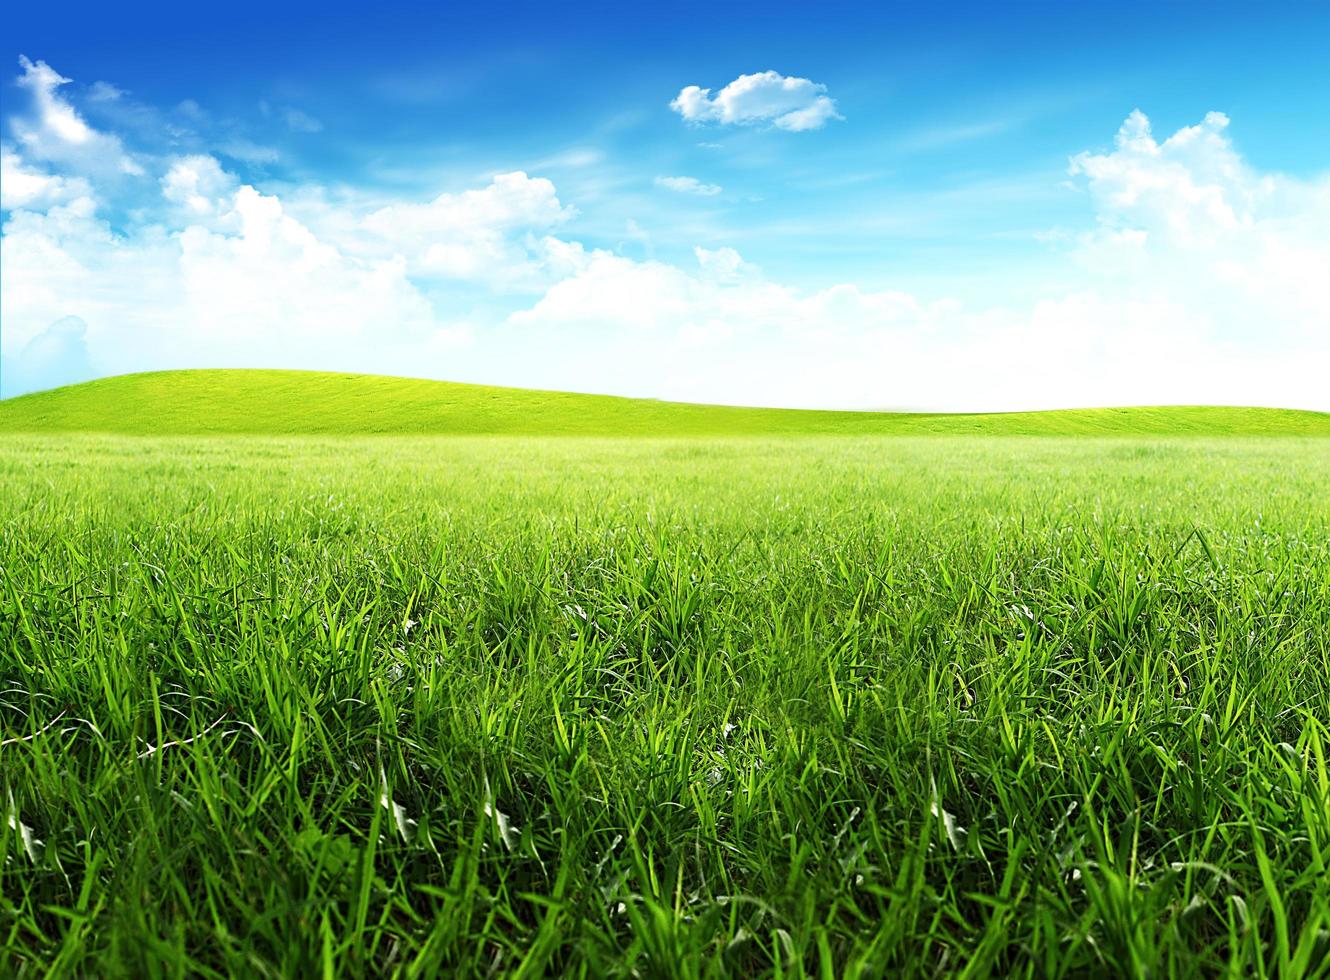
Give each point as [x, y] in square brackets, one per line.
[743, 339]
[510, 200]
[24, 187]
[496, 234]
[56, 114]
[688, 185]
[1191, 186]
[1201, 280]
[239, 283]
[198, 185]
[56, 133]
[795, 104]
[273, 283]
[105, 92]
[723, 264]
[1189, 220]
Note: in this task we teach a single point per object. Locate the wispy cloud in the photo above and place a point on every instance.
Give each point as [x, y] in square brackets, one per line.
[941, 137]
[104, 92]
[56, 132]
[688, 185]
[301, 122]
[296, 120]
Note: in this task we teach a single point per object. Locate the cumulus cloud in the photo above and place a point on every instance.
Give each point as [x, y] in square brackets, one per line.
[1203, 280]
[794, 104]
[741, 338]
[688, 185]
[272, 274]
[497, 234]
[1187, 219]
[1191, 186]
[24, 187]
[236, 281]
[1200, 279]
[199, 186]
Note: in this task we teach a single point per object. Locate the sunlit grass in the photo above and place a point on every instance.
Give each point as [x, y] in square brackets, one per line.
[1035, 707]
[319, 403]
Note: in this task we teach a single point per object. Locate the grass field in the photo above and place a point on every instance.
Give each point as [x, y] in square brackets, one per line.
[313, 403]
[829, 706]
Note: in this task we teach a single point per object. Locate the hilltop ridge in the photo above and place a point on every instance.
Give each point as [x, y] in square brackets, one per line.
[273, 402]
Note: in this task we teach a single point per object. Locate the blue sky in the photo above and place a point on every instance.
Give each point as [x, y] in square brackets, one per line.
[924, 238]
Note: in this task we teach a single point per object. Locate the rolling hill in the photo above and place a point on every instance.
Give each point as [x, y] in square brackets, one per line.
[261, 402]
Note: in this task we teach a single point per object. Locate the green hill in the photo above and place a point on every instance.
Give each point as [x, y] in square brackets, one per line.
[308, 402]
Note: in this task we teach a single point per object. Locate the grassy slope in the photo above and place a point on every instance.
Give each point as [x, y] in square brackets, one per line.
[303, 402]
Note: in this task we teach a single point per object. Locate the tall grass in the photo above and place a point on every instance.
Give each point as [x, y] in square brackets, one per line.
[805, 707]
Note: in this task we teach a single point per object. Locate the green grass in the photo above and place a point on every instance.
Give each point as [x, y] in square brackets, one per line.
[306, 402]
[1016, 707]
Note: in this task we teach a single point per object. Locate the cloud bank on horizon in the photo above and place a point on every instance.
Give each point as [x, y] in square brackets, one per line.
[1195, 276]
